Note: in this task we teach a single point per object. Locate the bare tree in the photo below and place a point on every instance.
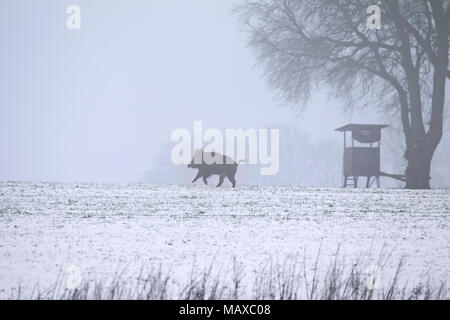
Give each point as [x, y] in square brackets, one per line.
[403, 66]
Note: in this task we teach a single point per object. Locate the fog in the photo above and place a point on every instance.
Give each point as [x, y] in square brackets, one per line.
[100, 103]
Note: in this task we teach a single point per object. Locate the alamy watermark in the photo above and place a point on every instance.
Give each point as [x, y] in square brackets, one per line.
[373, 277]
[234, 146]
[374, 19]
[74, 277]
[74, 19]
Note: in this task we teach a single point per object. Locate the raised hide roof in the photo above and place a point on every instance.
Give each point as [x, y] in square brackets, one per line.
[364, 133]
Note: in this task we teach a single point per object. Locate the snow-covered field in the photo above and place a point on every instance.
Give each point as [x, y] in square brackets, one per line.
[46, 227]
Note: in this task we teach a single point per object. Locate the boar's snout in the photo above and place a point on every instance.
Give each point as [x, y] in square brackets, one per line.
[191, 164]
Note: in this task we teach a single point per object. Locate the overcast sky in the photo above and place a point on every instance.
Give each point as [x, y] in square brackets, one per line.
[96, 104]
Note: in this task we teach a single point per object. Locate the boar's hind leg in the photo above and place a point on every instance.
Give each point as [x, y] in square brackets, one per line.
[204, 180]
[232, 180]
[221, 181]
[197, 177]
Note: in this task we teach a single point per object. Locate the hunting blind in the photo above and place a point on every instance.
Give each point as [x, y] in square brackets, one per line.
[362, 155]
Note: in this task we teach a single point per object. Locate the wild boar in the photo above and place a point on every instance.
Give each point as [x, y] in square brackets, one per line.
[212, 163]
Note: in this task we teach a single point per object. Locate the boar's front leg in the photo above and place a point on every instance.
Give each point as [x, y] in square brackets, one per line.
[204, 180]
[197, 176]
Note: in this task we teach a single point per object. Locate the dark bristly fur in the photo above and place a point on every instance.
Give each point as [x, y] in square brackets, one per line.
[227, 168]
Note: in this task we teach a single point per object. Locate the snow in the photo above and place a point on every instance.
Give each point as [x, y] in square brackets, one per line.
[45, 227]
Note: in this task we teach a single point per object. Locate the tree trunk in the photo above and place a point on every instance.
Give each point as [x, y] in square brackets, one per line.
[418, 170]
